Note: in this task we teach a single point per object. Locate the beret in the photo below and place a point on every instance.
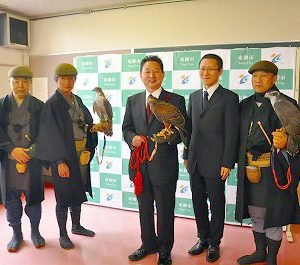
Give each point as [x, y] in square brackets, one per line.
[265, 66]
[20, 71]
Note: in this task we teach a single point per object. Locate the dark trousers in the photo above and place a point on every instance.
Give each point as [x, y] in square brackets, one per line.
[62, 216]
[14, 209]
[164, 197]
[214, 190]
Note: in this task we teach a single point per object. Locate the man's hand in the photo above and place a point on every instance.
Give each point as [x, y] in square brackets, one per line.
[225, 171]
[137, 141]
[280, 138]
[63, 170]
[185, 162]
[19, 154]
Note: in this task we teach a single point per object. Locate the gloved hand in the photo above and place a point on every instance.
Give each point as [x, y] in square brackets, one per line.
[280, 138]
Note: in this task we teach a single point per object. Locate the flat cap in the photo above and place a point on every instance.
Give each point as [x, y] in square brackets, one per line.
[265, 66]
[20, 71]
[65, 69]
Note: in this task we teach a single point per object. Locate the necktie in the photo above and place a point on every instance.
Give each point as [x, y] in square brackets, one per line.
[205, 100]
[148, 112]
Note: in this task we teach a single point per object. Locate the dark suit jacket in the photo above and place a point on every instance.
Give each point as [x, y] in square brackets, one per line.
[214, 132]
[163, 169]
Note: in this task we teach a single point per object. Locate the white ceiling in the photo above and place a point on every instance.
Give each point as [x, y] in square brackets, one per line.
[44, 8]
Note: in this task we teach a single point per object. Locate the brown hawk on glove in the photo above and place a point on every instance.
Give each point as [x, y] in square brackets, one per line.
[170, 116]
[289, 116]
[103, 109]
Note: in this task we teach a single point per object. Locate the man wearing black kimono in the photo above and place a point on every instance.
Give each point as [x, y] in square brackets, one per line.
[20, 172]
[67, 143]
[265, 200]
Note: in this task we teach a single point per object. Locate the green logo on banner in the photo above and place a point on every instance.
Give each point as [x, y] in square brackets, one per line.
[110, 181]
[243, 93]
[129, 200]
[94, 165]
[285, 80]
[244, 58]
[186, 60]
[112, 148]
[116, 115]
[109, 80]
[87, 64]
[232, 179]
[230, 213]
[183, 174]
[185, 93]
[87, 97]
[184, 207]
[224, 79]
[167, 82]
[132, 62]
[127, 93]
[125, 163]
[96, 195]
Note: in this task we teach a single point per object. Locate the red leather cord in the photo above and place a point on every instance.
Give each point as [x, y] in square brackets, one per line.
[139, 156]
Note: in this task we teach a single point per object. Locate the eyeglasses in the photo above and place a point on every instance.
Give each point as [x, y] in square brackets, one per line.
[209, 70]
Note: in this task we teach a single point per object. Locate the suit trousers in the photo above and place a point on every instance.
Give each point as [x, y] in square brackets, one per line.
[212, 188]
[164, 197]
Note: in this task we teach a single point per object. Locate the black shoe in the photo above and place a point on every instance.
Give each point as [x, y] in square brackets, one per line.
[15, 243]
[213, 254]
[164, 259]
[80, 230]
[140, 254]
[37, 240]
[198, 248]
[65, 242]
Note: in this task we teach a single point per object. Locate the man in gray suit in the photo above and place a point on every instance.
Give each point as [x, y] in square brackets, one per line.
[159, 175]
[214, 116]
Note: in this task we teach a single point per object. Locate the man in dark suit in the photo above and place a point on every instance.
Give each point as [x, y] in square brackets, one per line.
[159, 175]
[214, 117]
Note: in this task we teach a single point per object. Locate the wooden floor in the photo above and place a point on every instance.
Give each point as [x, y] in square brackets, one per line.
[117, 234]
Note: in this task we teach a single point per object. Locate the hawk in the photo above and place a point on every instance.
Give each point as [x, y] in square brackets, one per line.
[289, 116]
[103, 109]
[170, 116]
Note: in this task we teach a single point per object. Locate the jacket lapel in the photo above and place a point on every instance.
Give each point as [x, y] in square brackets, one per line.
[141, 106]
[217, 95]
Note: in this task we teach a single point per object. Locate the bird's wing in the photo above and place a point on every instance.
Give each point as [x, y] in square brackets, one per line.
[168, 113]
[99, 107]
[289, 116]
[108, 109]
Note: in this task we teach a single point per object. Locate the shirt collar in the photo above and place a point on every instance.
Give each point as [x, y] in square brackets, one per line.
[155, 94]
[211, 89]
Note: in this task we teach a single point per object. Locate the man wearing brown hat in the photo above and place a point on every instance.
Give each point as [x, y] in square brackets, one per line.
[20, 172]
[66, 142]
[258, 195]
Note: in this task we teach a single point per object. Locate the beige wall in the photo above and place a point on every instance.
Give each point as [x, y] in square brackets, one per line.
[189, 23]
[8, 58]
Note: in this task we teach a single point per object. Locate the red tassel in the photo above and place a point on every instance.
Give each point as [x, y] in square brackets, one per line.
[138, 183]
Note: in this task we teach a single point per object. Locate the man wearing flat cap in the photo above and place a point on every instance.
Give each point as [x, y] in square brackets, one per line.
[65, 141]
[259, 196]
[20, 172]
